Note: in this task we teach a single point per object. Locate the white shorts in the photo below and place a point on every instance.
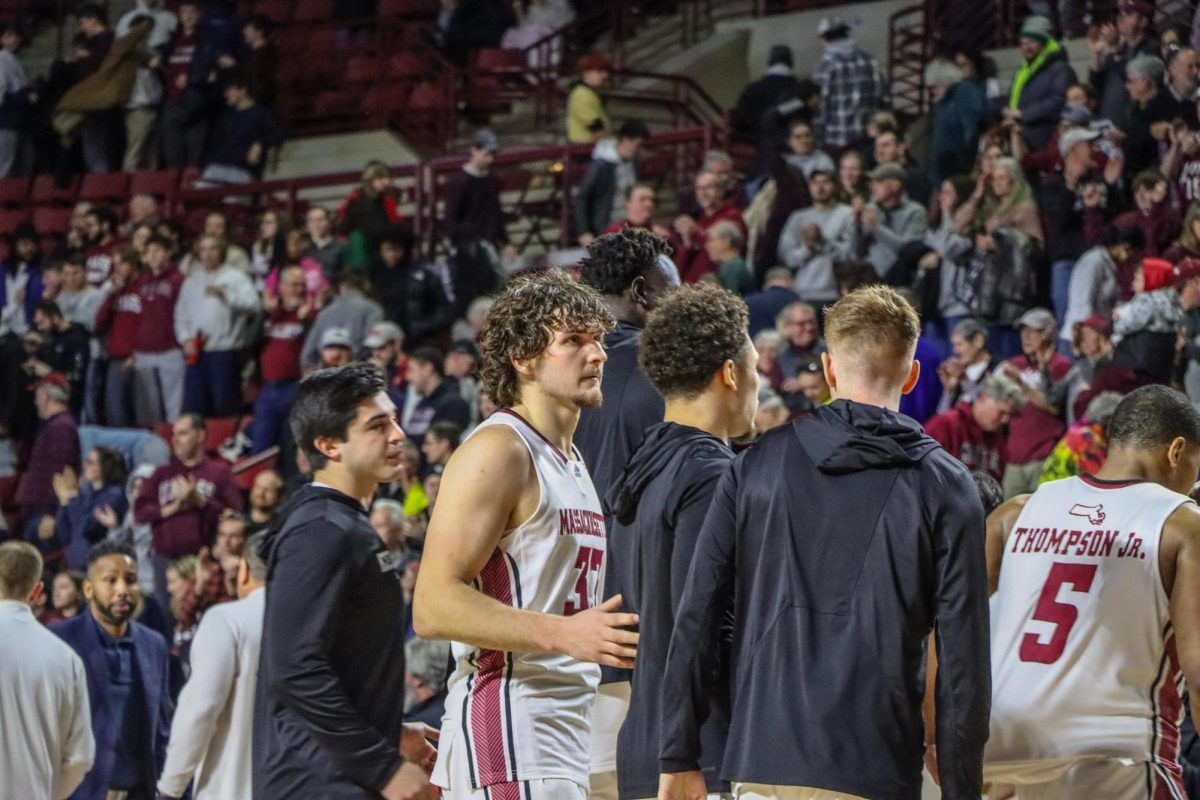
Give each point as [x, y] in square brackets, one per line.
[457, 786]
[608, 715]
[762, 791]
[1108, 778]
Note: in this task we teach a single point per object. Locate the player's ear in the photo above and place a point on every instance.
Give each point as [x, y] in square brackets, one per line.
[827, 368]
[637, 291]
[729, 374]
[329, 447]
[523, 366]
[914, 374]
[1175, 450]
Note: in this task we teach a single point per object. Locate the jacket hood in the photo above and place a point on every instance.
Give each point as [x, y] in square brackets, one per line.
[306, 495]
[660, 445]
[606, 150]
[845, 437]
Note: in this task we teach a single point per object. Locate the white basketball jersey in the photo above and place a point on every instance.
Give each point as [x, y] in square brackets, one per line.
[1083, 655]
[526, 716]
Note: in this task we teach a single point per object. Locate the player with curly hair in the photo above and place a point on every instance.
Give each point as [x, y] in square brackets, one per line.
[514, 558]
[697, 352]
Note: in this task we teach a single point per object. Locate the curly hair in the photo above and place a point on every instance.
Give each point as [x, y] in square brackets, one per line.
[689, 335]
[615, 259]
[522, 322]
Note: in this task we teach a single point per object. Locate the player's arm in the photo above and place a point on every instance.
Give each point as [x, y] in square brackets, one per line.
[999, 524]
[1182, 535]
[689, 675]
[483, 489]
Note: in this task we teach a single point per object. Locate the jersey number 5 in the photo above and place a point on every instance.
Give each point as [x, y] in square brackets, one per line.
[1061, 615]
[588, 563]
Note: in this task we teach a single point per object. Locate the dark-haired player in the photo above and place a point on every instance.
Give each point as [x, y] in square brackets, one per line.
[697, 353]
[514, 558]
[632, 271]
[328, 716]
[1097, 582]
[842, 539]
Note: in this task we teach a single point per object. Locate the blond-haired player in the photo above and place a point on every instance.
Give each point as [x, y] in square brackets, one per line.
[840, 541]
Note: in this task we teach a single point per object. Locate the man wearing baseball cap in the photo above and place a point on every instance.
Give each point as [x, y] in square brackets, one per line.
[814, 238]
[888, 222]
[385, 347]
[851, 84]
[1112, 47]
[1037, 426]
[337, 347]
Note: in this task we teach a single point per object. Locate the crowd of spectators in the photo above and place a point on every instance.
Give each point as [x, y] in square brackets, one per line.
[157, 88]
[1049, 236]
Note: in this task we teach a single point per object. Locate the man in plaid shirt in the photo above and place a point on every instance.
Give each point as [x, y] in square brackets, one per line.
[852, 88]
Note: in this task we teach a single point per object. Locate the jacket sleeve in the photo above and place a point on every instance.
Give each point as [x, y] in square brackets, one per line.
[214, 670]
[311, 576]
[1049, 102]
[240, 294]
[429, 311]
[964, 681]
[692, 656]
[79, 747]
[793, 252]
[146, 509]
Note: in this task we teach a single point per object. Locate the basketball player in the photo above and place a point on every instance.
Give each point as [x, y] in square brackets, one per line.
[632, 272]
[1097, 583]
[840, 540]
[697, 354]
[514, 558]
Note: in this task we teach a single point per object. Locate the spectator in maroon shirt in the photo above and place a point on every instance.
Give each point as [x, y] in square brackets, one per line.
[117, 322]
[183, 499]
[1038, 424]
[974, 432]
[639, 213]
[55, 448]
[692, 259]
[1157, 219]
[102, 241]
[184, 126]
[288, 316]
[158, 362]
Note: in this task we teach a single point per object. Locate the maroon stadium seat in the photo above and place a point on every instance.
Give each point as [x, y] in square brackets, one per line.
[406, 65]
[220, 429]
[11, 218]
[45, 192]
[50, 221]
[275, 10]
[313, 11]
[402, 8]
[361, 69]
[160, 184]
[496, 59]
[98, 187]
[14, 191]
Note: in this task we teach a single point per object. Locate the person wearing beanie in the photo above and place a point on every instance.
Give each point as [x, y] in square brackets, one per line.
[1148, 114]
[587, 117]
[1039, 89]
[777, 85]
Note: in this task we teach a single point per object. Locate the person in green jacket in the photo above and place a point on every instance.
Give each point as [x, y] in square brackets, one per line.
[1039, 89]
[724, 246]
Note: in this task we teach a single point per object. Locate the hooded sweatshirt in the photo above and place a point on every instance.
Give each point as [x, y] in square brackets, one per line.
[843, 539]
[329, 710]
[659, 503]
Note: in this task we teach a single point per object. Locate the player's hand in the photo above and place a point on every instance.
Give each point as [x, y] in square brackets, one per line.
[682, 786]
[597, 635]
[415, 747]
[931, 763]
[409, 783]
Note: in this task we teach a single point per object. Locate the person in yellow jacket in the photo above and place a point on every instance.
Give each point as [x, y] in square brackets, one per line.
[587, 119]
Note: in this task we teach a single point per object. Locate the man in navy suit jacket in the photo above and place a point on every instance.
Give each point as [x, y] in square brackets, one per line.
[126, 665]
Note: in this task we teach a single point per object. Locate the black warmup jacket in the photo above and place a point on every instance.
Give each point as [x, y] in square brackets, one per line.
[844, 539]
[329, 708]
[607, 435]
[659, 504]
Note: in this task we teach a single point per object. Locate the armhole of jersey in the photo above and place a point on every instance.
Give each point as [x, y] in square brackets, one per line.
[536, 473]
[1166, 596]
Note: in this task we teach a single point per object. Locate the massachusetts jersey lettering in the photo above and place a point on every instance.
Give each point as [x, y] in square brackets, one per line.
[526, 716]
[1083, 655]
